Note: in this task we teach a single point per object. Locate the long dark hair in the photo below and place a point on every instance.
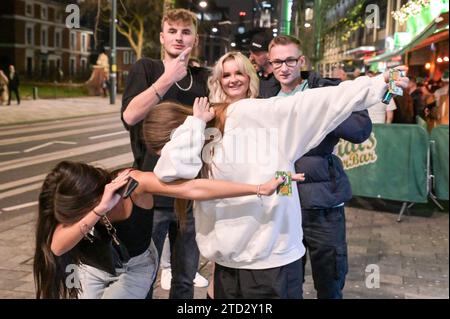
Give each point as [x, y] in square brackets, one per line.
[164, 118]
[68, 193]
[159, 124]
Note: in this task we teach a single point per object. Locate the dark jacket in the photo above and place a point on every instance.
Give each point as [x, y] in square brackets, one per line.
[419, 106]
[14, 82]
[326, 185]
[268, 86]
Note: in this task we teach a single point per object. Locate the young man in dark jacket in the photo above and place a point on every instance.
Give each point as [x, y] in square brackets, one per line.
[326, 187]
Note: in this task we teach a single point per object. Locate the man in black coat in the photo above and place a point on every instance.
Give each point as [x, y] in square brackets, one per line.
[13, 84]
[326, 187]
[259, 56]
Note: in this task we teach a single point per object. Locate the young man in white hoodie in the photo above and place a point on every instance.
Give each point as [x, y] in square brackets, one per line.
[256, 243]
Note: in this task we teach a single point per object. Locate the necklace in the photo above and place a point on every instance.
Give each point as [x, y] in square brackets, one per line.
[190, 84]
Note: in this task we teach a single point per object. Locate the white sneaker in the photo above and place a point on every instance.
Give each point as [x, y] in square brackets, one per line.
[200, 281]
[166, 278]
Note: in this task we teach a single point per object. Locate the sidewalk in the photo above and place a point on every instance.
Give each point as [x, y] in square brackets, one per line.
[411, 256]
[30, 111]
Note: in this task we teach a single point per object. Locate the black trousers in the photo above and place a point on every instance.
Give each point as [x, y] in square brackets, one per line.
[16, 92]
[283, 282]
[325, 241]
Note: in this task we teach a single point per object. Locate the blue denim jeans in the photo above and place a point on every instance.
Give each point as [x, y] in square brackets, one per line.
[325, 241]
[133, 280]
[184, 252]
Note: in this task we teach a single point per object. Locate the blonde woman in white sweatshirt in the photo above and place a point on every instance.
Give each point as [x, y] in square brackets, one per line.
[256, 243]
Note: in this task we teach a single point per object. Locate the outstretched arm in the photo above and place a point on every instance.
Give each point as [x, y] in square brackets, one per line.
[205, 189]
[304, 119]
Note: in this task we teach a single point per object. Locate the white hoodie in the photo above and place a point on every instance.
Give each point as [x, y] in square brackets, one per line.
[250, 232]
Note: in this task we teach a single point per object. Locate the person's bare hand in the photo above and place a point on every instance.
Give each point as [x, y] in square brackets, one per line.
[270, 186]
[176, 69]
[110, 198]
[202, 109]
[403, 81]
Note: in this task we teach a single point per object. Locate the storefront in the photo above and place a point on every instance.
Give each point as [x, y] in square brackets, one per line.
[430, 58]
[423, 46]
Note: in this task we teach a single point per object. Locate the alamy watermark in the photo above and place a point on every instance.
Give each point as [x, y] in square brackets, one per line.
[73, 278]
[372, 20]
[73, 19]
[240, 146]
[372, 276]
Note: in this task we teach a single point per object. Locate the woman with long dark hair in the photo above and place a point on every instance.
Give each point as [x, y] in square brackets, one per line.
[81, 219]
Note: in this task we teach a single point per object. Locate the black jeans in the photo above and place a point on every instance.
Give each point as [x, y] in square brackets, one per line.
[325, 241]
[283, 282]
[184, 254]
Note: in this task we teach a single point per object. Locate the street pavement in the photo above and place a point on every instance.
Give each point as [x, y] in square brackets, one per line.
[410, 257]
[31, 111]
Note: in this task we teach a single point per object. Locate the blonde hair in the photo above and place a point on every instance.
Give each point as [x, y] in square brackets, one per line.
[217, 94]
[184, 15]
[286, 40]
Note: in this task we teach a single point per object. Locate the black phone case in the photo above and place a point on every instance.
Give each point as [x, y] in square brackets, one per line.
[132, 184]
[126, 190]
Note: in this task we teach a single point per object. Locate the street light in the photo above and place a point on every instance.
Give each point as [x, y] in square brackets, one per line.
[113, 71]
[214, 30]
[203, 4]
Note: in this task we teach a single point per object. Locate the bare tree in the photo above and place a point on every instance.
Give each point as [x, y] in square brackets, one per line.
[137, 17]
[137, 20]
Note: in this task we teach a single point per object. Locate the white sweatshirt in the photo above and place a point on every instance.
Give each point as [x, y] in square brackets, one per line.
[249, 232]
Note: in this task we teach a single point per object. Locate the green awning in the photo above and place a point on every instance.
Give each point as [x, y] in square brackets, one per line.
[428, 31]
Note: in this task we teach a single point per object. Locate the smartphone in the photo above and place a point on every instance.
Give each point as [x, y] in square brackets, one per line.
[126, 190]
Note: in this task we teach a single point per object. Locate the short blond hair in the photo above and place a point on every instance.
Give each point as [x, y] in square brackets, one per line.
[285, 40]
[216, 92]
[184, 15]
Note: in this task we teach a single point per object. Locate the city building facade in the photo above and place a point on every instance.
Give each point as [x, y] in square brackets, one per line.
[37, 41]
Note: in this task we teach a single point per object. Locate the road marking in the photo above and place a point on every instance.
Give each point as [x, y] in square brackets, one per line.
[48, 144]
[47, 136]
[8, 209]
[106, 135]
[9, 153]
[29, 128]
[20, 190]
[115, 161]
[23, 181]
[39, 159]
[107, 163]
